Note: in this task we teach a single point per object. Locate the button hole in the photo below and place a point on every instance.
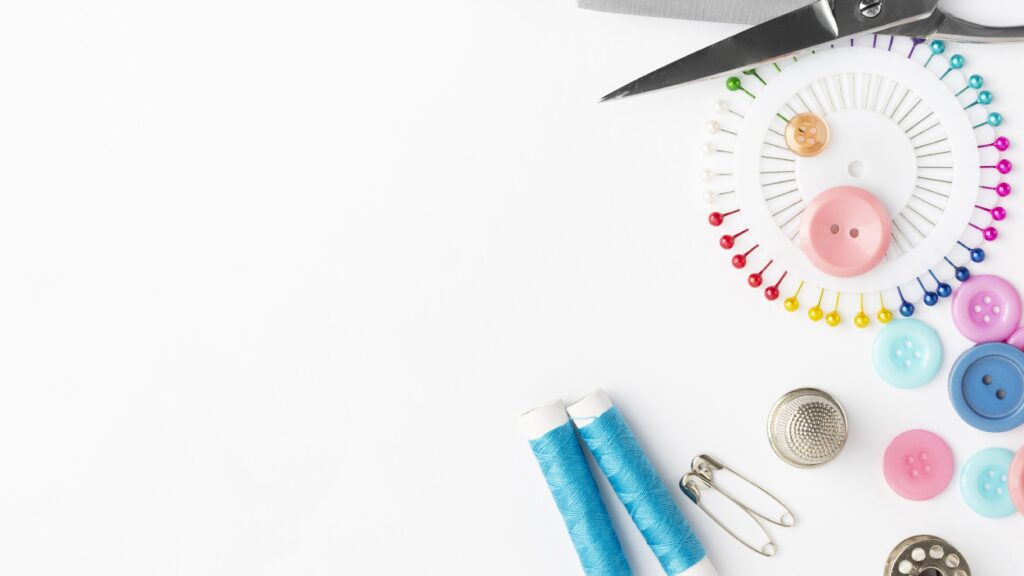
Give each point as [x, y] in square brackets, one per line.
[834, 229]
[986, 379]
[1001, 394]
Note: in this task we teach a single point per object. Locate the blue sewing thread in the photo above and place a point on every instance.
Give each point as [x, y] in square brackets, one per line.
[565, 467]
[640, 489]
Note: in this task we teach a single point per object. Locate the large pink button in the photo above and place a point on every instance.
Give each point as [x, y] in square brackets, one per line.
[918, 465]
[1017, 481]
[845, 231]
[986, 309]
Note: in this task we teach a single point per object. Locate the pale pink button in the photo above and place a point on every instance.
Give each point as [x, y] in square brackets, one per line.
[845, 231]
[918, 465]
[1016, 481]
[986, 309]
[1017, 339]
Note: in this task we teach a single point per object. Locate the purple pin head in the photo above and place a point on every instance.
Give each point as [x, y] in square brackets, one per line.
[1002, 144]
[1003, 189]
[1004, 166]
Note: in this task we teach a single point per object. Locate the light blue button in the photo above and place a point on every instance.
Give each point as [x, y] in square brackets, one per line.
[983, 483]
[907, 353]
[986, 386]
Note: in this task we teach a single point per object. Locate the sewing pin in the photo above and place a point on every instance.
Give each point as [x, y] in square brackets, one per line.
[792, 303]
[937, 47]
[815, 312]
[984, 98]
[974, 81]
[956, 62]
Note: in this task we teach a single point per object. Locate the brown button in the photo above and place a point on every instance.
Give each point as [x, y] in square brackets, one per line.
[806, 134]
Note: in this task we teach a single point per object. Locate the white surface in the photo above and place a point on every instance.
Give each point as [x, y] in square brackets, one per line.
[278, 281]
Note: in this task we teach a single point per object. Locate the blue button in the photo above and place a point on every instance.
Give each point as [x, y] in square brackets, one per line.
[984, 483]
[986, 386]
[907, 353]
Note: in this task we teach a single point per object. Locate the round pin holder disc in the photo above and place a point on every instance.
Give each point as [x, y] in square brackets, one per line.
[907, 125]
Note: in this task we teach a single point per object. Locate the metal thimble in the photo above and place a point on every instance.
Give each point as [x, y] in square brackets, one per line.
[807, 428]
[926, 556]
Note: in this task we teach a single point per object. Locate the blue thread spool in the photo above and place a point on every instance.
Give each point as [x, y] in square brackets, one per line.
[554, 444]
[638, 486]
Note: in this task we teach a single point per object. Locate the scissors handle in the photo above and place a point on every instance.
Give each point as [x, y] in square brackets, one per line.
[960, 30]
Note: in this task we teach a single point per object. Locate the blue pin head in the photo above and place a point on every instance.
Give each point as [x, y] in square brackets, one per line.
[976, 81]
[956, 61]
[994, 119]
[978, 255]
[963, 274]
[985, 97]
[906, 309]
[931, 298]
[944, 290]
[938, 46]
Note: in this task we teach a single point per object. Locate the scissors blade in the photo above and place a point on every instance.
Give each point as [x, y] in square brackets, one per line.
[803, 28]
[731, 11]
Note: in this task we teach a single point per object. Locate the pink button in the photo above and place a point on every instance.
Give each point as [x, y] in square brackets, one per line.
[986, 309]
[918, 465]
[1016, 481]
[845, 231]
[1017, 339]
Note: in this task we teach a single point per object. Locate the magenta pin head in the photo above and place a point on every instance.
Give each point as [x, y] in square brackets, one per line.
[998, 213]
[1003, 189]
[1004, 166]
[1002, 143]
[990, 233]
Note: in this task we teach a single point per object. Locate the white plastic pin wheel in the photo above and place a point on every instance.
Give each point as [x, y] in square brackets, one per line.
[865, 177]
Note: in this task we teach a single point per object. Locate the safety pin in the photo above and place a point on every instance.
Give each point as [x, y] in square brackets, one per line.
[701, 477]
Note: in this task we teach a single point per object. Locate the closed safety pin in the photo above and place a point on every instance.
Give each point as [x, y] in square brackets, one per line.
[701, 477]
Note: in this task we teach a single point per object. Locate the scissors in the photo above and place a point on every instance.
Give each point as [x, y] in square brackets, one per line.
[821, 22]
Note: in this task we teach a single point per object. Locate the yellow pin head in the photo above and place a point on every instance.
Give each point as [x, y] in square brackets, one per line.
[832, 318]
[815, 313]
[884, 315]
[861, 320]
[792, 304]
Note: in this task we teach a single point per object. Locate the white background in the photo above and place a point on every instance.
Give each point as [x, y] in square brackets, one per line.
[277, 280]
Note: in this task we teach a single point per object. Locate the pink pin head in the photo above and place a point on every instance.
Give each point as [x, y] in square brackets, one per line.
[1004, 166]
[990, 233]
[998, 213]
[1003, 189]
[1002, 144]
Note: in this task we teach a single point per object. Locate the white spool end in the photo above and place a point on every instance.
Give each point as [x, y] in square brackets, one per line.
[702, 568]
[543, 419]
[587, 409]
